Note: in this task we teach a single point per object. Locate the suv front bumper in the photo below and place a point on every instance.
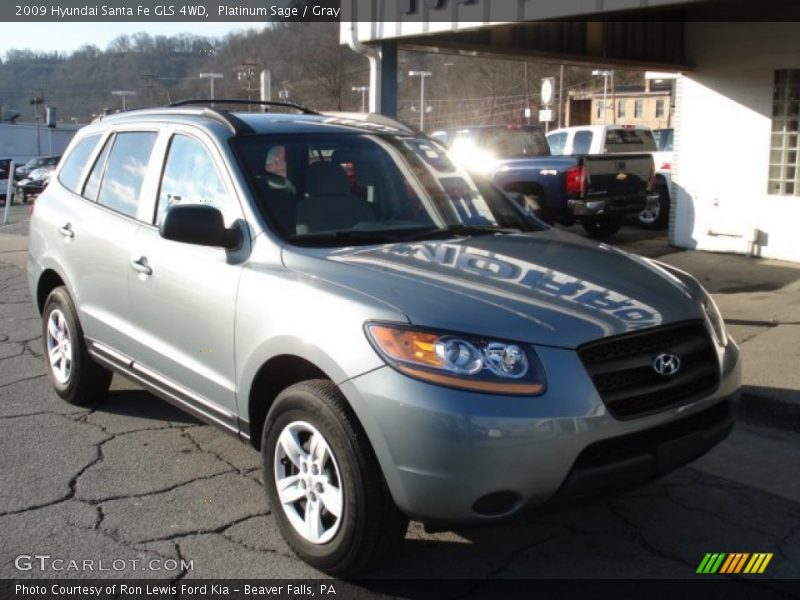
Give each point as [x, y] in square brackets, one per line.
[451, 456]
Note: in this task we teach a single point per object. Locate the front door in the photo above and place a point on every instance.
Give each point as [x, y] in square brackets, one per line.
[183, 296]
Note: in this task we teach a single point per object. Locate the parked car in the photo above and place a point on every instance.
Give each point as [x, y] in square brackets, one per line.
[5, 166]
[34, 184]
[37, 163]
[408, 343]
[596, 191]
[604, 139]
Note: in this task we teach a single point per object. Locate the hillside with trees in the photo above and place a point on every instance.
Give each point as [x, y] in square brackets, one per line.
[307, 63]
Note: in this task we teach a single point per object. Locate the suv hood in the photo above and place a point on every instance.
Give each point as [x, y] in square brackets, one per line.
[548, 288]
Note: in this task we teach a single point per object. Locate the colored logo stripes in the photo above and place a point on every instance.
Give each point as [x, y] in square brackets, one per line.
[736, 562]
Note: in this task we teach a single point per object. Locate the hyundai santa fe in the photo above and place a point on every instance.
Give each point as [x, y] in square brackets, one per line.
[397, 337]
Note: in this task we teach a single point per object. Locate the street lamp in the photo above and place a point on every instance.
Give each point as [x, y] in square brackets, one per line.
[211, 77]
[422, 75]
[124, 94]
[605, 75]
[363, 89]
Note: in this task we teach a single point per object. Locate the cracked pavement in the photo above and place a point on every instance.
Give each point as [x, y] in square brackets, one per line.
[136, 479]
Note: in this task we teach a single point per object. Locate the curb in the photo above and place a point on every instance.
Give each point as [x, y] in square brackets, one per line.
[771, 411]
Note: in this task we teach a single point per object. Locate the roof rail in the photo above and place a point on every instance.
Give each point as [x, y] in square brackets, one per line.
[234, 123]
[302, 109]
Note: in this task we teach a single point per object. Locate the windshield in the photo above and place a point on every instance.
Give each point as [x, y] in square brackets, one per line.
[346, 189]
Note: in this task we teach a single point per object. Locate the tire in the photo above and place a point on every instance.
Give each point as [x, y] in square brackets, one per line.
[76, 378]
[20, 195]
[659, 217]
[369, 525]
[602, 228]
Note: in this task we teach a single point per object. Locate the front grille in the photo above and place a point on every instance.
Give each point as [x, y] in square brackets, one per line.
[622, 370]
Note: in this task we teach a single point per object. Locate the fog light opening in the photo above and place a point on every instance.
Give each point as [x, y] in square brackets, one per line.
[496, 503]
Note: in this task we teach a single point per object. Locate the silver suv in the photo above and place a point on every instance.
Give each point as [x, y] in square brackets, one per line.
[397, 337]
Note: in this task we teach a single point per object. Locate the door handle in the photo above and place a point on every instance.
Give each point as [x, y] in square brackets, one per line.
[66, 231]
[140, 265]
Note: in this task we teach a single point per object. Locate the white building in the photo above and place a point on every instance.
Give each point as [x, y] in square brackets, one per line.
[737, 170]
[19, 140]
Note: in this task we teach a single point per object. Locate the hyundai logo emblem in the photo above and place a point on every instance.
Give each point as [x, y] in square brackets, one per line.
[666, 364]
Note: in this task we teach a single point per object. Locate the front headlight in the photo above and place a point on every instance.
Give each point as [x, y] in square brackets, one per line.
[461, 361]
[715, 319]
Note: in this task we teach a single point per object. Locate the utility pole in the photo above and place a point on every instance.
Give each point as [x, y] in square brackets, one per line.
[527, 97]
[37, 100]
[247, 72]
[560, 93]
[363, 89]
[422, 75]
[212, 77]
[124, 94]
[150, 78]
[605, 75]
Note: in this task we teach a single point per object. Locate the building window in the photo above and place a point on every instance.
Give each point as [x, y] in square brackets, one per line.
[659, 108]
[637, 109]
[600, 110]
[621, 109]
[784, 165]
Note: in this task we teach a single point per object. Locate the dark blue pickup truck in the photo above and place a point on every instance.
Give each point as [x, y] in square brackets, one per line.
[597, 191]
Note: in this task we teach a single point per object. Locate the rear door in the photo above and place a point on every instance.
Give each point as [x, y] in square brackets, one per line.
[92, 225]
[183, 296]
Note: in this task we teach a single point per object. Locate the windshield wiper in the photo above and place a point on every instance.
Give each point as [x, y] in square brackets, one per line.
[342, 238]
[459, 230]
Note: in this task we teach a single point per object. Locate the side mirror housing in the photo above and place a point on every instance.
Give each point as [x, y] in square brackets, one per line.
[199, 224]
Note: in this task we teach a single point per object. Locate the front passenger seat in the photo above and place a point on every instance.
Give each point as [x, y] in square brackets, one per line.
[329, 205]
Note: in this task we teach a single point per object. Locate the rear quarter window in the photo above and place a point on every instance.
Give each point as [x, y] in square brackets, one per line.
[75, 162]
[630, 140]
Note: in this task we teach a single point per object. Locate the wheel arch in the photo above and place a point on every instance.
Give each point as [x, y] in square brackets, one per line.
[49, 280]
[274, 376]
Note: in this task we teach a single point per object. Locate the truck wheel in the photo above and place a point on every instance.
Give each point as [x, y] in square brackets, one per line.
[323, 483]
[658, 217]
[602, 228]
[76, 378]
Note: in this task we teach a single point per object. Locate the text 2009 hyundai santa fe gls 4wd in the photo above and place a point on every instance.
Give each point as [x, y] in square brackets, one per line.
[397, 338]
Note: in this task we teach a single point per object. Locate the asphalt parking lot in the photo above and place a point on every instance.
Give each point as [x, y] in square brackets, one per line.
[135, 479]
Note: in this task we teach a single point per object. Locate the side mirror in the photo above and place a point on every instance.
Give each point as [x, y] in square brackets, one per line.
[199, 224]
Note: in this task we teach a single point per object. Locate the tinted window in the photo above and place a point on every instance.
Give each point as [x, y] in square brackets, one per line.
[630, 140]
[514, 142]
[96, 175]
[70, 175]
[124, 176]
[663, 139]
[582, 143]
[190, 177]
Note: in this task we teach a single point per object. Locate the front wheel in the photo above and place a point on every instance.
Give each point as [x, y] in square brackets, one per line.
[76, 378]
[601, 228]
[323, 482]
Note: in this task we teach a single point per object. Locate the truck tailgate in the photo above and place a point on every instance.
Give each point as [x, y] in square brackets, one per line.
[616, 175]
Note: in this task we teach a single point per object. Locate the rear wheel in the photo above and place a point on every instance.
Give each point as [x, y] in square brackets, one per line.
[602, 228]
[76, 378]
[658, 216]
[324, 484]
[20, 195]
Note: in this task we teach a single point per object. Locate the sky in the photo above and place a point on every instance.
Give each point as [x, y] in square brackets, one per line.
[66, 37]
